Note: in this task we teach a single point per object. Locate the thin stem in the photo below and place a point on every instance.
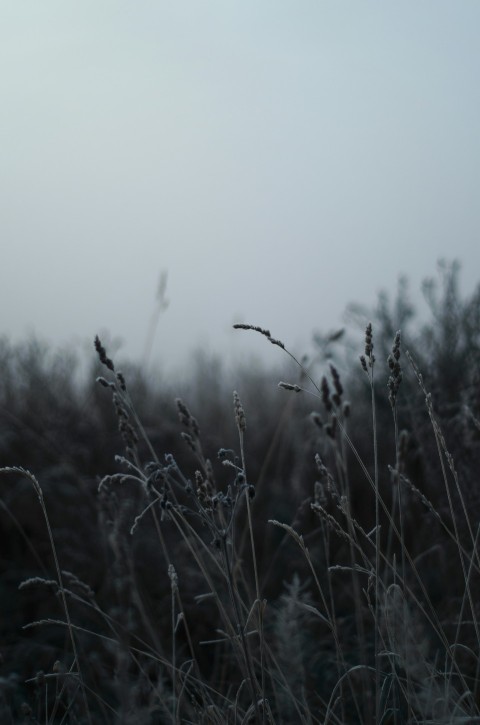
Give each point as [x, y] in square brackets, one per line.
[240, 627]
[39, 492]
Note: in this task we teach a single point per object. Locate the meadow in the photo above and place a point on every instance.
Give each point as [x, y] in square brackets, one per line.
[298, 545]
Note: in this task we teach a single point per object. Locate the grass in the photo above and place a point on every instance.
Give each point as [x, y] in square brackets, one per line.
[279, 567]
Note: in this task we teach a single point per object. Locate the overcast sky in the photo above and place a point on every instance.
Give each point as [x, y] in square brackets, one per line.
[279, 159]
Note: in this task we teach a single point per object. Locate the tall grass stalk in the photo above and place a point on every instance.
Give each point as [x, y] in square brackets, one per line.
[38, 490]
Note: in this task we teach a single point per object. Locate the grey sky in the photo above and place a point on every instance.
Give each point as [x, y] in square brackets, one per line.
[279, 159]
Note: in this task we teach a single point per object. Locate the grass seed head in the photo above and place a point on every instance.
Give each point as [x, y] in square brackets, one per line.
[261, 330]
[290, 386]
[336, 380]
[102, 354]
[327, 401]
[396, 374]
[172, 575]
[369, 345]
[240, 418]
[187, 418]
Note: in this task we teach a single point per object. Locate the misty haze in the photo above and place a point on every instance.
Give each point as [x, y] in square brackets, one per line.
[239, 362]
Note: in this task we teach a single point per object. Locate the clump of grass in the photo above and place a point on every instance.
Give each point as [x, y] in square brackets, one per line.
[334, 582]
[399, 690]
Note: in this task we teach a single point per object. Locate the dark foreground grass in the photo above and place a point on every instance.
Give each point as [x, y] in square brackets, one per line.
[294, 555]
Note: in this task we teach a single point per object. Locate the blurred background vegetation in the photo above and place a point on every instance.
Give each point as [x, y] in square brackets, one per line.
[62, 426]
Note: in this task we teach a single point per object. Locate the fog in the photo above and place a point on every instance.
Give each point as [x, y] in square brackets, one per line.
[277, 159]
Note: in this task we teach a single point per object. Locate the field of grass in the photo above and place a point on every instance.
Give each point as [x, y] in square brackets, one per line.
[302, 550]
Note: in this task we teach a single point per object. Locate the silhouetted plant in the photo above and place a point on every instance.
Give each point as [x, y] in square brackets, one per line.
[254, 562]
